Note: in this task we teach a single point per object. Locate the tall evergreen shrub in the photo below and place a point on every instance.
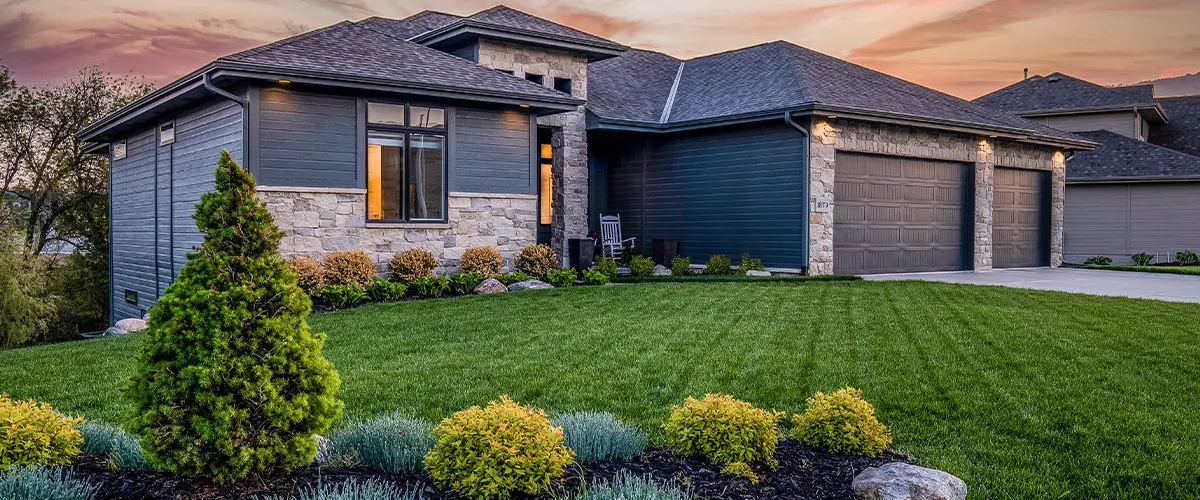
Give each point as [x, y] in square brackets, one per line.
[230, 381]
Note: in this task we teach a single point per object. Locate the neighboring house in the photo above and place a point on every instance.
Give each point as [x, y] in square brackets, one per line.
[1140, 191]
[504, 129]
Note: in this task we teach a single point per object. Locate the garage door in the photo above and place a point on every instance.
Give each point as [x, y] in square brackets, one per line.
[901, 215]
[1021, 218]
[1117, 220]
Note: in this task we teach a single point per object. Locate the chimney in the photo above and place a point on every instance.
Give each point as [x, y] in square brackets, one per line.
[1026, 73]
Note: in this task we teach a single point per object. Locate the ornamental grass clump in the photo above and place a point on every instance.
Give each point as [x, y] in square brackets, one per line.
[483, 260]
[496, 451]
[34, 434]
[355, 489]
[723, 431]
[44, 483]
[841, 422]
[394, 443]
[600, 437]
[122, 450]
[229, 381]
[351, 267]
[412, 264]
[626, 486]
[537, 260]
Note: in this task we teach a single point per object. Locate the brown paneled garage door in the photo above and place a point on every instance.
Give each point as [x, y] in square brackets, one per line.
[1021, 218]
[896, 214]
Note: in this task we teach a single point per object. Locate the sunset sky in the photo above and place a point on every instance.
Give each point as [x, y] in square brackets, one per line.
[964, 47]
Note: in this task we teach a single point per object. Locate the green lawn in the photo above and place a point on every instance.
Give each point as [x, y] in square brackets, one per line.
[1021, 393]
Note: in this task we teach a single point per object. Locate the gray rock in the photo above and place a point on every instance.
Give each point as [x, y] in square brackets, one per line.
[132, 325]
[490, 286]
[661, 270]
[113, 331]
[529, 285]
[901, 481]
[324, 449]
[758, 273]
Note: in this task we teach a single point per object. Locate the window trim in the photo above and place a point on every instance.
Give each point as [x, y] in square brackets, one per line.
[407, 131]
[162, 139]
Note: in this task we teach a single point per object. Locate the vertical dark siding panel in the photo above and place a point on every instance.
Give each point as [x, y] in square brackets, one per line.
[307, 139]
[492, 152]
[133, 224]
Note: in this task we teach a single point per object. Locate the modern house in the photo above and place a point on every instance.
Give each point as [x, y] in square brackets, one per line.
[505, 129]
[1140, 190]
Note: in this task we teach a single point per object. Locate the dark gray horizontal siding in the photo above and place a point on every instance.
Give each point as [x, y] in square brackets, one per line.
[200, 136]
[133, 226]
[492, 152]
[307, 139]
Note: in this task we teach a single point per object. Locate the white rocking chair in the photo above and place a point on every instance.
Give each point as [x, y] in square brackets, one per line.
[610, 235]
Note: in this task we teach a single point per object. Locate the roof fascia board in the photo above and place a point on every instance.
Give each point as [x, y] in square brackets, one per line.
[152, 100]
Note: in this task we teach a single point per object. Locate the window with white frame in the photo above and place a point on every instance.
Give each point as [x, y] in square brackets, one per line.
[120, 150]
[166, 133]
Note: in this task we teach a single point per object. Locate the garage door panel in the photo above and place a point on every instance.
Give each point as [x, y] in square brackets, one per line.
[1020, 218]
[910, 217]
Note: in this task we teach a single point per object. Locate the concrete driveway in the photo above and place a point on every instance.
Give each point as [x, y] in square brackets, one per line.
[1172, 287]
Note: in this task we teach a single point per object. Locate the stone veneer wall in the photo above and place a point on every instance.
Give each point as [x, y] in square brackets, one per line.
[316, 222]
[827, 136]
[570, 169]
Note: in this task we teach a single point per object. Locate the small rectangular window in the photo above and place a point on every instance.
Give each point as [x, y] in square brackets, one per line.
[120, 150]
[428, 117]
[538, 79]
[562, 85]
[130, 297]
[166, 133]
[505, 71]
[385, 114]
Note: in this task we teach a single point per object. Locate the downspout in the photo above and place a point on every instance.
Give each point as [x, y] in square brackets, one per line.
[244, 104]
[804, 210]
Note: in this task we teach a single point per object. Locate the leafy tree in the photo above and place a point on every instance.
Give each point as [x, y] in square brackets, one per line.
[230, 381]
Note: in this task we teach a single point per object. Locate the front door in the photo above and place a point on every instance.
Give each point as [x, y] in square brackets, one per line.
[545, 187]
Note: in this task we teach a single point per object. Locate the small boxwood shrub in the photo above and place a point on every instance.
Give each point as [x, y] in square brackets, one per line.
[34, 434]
[1098, 260]
[723, 431]
[681, 266]
[412, 264]
[44, 483]
[483, 260]
[562, 277]
[749, 263]
[309, 274]
[465, 283]
[354, 489]
[513, 277]
[343, 296]
[1187, 258]
[393, 443]
[1142, 259]
[592, 276]
[600, 437]
[431, 286]
[382, 290]
[537, 260]
[351, 267]
[608, 266]
[493, 452]
[641, 266]
[719, 265]
[841, 422]
[626, 486]
[123, 451]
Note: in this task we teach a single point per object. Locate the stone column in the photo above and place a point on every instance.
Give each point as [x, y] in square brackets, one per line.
[1058, 200]
[985, 169]
[569, 175]
[821, 165]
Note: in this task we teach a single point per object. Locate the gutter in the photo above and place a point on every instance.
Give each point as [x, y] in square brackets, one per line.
[807, 206]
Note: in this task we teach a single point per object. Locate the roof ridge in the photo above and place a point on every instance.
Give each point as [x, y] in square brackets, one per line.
[286, 41]
[782, 47]
[666, 114]
[730, 51]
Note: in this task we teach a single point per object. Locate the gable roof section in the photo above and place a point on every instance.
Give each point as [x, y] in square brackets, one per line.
[1124, 158]
[651, 73]
[1183, 131]
[508, 24]
[1064, 92]
[502, 15]
[411, 26]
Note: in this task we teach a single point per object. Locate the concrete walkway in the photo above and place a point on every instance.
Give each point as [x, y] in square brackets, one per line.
[1171, 287]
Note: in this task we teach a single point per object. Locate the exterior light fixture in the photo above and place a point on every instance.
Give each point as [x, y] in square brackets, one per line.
[832, 117]
[284, 82]
[524, 105]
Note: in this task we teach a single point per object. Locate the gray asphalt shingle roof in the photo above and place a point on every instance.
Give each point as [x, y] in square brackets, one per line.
[412, 25]
[1059, 91]
[1182, 132]
[651, 73]
[507, 17]
[1121, 157]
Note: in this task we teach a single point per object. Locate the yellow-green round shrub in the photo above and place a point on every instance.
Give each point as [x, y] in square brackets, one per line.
[412, 264]
[723, 431]
[841, 422]
[493, 452]
[537, 260]
[351, 267]
[32, 434]
[309, 274]
[483, 260]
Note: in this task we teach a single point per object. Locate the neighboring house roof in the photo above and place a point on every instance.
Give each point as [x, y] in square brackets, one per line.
[775, 77]
[1124, 158]
[1058, 93]
[1183, 131]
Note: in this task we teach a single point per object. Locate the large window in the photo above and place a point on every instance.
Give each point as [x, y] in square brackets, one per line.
[406, 163]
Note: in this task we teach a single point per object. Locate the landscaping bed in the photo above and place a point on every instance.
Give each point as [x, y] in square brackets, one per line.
[1155, 268]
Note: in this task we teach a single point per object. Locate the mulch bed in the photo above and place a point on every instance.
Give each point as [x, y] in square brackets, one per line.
[804, 473]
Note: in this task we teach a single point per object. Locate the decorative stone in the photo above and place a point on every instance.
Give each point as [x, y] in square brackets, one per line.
[529, 285]
[758, 274]
[901, 481]
[490, 286]
[661, 270]
[113, 331]
[132, 325]
[324, 449]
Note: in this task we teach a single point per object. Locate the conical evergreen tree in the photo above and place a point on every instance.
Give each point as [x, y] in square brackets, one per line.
[230, 381]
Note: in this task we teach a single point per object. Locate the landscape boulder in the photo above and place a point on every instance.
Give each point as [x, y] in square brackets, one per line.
[490, 286]
[661, 270]
[132, 325]
[758, 273]
[113, 331]
[901, 481]
[528, 285]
